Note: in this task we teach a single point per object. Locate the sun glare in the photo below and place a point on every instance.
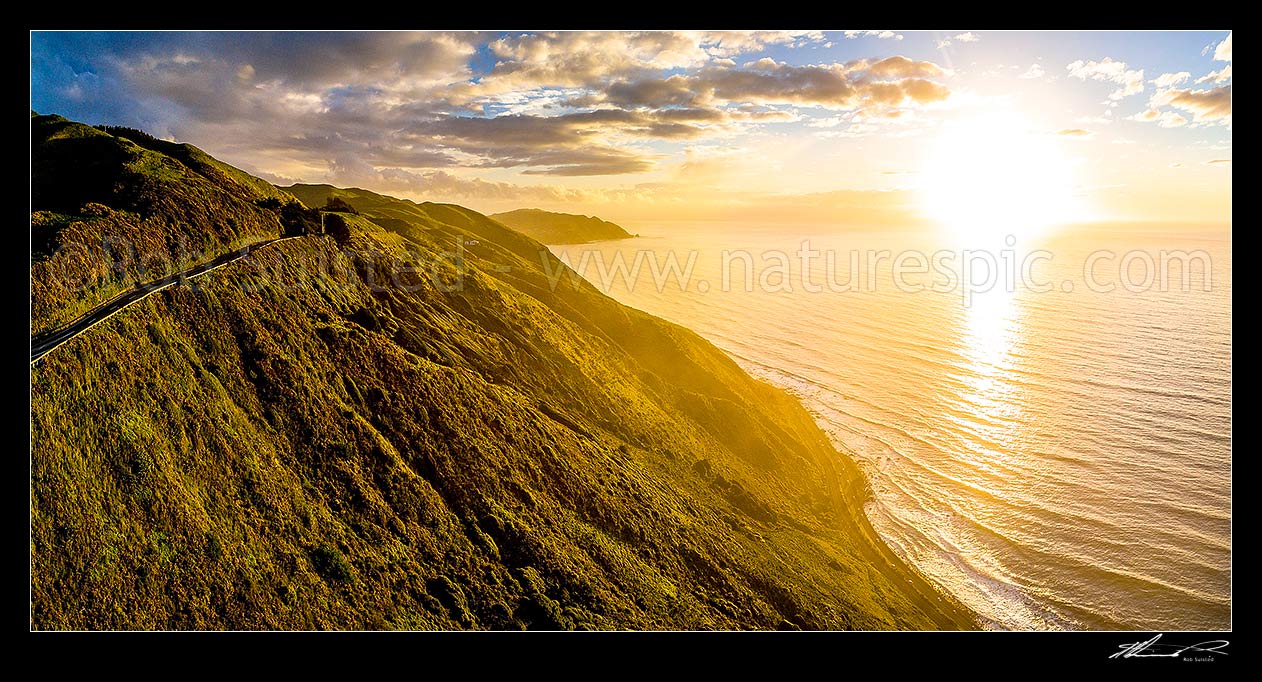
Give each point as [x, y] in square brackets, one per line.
[995, 175]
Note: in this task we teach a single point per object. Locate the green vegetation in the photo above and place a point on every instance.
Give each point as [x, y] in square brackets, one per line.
[354, 432]
[339, 205]
[112, 211]
[560, 228]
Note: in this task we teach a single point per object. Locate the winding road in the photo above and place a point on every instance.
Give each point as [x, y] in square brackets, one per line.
[45, 343]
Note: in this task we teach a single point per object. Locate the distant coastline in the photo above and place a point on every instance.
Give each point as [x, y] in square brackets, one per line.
[561, 228]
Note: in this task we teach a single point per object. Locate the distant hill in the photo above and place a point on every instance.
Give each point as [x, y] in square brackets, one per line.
[560, 228]
[361, 432]
[385, 211]
[543, 226]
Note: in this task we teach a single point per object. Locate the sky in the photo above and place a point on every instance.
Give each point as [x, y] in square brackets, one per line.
[870, 127]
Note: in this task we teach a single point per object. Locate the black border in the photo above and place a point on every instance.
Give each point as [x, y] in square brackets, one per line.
[827, 654]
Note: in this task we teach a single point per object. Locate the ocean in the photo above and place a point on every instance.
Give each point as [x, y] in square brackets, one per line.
[1054, 449]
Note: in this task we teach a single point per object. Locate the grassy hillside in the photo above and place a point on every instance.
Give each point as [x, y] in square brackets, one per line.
[111, 210]
[560, 228]
[407, 429]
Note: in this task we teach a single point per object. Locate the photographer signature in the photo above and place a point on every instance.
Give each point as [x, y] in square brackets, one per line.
[1153, 649]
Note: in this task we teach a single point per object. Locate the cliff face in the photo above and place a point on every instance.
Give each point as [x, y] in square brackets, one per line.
[425, 422]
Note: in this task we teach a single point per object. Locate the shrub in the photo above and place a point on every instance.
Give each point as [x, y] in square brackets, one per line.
[329, 563]
[339, 205]
[298, 219]
[140, 137]
[336, 226]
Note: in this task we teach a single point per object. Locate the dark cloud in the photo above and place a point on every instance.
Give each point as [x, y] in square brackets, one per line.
[693, 115]
[673, 91]
[888, 82]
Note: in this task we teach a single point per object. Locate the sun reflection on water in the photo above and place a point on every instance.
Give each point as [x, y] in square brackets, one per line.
[991, 329]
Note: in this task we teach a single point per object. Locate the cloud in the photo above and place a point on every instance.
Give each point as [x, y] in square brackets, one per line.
[1223, 74]
[1095, 120]
[1176, 164]
[1074, 132]
[1204, 105]
[966, 37]
[1218, 162]
[1131, 81]
[883, 35]
[830, 86]
[897, 66]
[421, 112]
[725, 44]
[1171, 120]
[586, 58]
[445, 184]
[890, 82]
[1165, 119]
[1169, 80]
[676, 90]
[1035, 71]
[572, 144]
[1222, 53]
[393, 61]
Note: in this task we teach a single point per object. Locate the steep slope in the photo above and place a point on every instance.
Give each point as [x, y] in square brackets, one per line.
[415, 427]
[560, 228]
[113, 210]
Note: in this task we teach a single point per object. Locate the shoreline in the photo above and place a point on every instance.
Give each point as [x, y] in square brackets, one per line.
[851, 492]
[855, 491]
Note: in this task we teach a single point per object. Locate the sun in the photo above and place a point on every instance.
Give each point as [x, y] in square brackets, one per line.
[992, 175]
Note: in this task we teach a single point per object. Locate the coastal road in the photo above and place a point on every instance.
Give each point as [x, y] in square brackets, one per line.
[45, 343]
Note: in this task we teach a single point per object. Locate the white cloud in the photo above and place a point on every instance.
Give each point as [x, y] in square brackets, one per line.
[1223, 74]
[1222, 53]
[1169, 80]
[1094, 120]
[883, 35]
[1169, 119]
[966, 37]
[1035, 71]
[1131, 81]
[1165, 119]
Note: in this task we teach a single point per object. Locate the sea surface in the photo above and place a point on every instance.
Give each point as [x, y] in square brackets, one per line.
[1057, 459]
